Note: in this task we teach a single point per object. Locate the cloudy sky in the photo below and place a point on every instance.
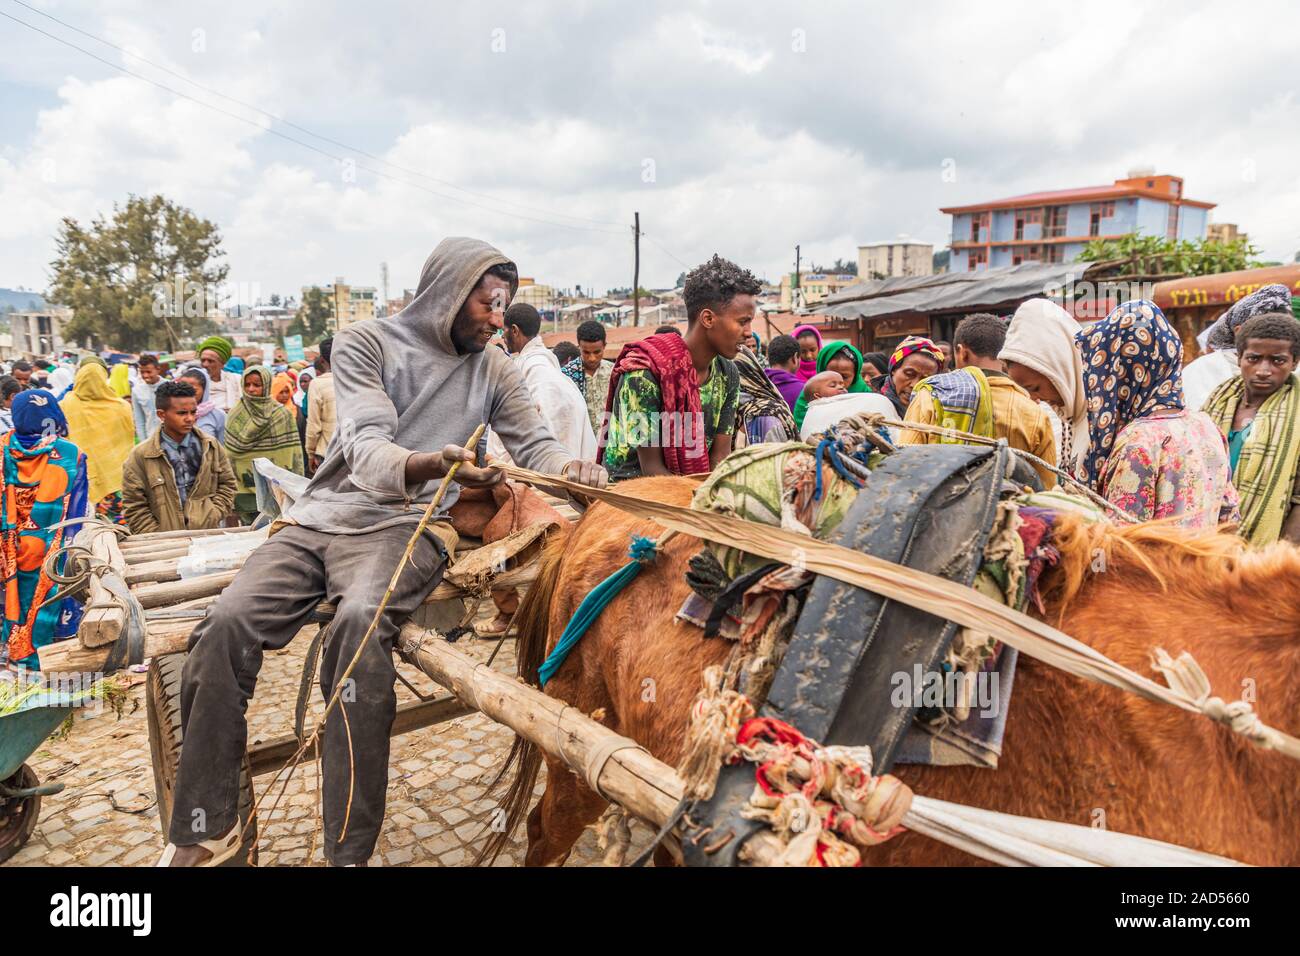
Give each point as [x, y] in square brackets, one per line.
[737, 127]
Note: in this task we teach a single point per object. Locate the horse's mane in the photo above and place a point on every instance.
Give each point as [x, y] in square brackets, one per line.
[1166, 558]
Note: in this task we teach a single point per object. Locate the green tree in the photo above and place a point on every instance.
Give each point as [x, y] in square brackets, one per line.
[1158, 257]
[839, 267]
[313, 316]
[146, 278]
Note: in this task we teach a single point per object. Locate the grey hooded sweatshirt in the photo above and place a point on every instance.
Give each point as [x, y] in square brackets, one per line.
[400, 388]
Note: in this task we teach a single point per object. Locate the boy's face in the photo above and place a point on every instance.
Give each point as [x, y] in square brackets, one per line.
[726, 327]
[1266, 364]
[178, 417]
[592, 353]
[150, 374]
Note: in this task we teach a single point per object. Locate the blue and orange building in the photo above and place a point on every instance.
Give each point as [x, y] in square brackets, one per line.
[1055, 226]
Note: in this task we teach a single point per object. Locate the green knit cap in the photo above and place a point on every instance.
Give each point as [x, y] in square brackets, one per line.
[216, 343]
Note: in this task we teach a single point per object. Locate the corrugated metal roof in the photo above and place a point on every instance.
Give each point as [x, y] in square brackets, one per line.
[946, 291]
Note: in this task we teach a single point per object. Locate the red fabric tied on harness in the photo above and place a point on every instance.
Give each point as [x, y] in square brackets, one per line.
[668, 359]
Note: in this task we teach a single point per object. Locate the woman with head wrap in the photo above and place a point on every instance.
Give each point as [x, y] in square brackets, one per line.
[916, 358]
[101, 425]
[235, 364]
[1205, 374]
[260, 426]
[810, 343]
[838, 357]
[43, 483]
[207, 416]
[300, 405]
[282, 386]
[874, 365]
[762, 414]
[1147, 453]
[61, 380]
[1042, 357]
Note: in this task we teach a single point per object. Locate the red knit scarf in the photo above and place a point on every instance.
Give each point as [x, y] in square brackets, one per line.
[668, 359]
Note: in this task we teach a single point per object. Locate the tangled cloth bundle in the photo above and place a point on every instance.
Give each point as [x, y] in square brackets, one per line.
[774, 484]
[821, 802]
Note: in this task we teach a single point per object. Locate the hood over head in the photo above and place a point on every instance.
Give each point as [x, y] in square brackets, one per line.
[450, 273]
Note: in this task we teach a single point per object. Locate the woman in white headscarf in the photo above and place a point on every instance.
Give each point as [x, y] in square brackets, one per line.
[61, 380]
[1042, 358]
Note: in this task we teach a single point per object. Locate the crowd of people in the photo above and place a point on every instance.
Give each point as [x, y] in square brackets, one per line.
[1109, 407]
[141, 445]
[1103, 407]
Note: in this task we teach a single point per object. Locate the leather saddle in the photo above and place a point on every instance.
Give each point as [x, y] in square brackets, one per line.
[929, 507]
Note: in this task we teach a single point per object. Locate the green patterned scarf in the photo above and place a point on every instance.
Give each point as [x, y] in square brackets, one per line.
[260, 428]
[772, 483]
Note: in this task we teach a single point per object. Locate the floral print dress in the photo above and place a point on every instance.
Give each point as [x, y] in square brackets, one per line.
[1171, 465]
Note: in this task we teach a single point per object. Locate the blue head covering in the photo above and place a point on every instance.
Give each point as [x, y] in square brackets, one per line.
[235, 364]
[1132, 367]
[36, 416]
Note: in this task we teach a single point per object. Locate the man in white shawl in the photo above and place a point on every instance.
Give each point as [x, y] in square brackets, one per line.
[560, 405]
[1042, 359]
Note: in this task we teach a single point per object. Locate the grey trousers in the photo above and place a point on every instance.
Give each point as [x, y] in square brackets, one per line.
[270, 600]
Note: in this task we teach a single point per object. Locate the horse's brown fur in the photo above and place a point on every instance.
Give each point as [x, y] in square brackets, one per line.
[1074, 750]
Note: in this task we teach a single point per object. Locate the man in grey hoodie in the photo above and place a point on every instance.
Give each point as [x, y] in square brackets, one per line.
[410, 390]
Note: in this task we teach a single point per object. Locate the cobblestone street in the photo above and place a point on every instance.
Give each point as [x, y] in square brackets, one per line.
[437, 804]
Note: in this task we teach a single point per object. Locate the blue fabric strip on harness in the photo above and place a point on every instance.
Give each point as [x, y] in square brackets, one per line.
[642, 552]
[831, 449]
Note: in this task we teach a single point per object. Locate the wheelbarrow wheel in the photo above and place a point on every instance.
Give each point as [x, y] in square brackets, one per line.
[165, 741]
[18, 815]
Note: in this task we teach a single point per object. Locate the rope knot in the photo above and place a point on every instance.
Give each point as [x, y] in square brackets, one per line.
[1238, 715]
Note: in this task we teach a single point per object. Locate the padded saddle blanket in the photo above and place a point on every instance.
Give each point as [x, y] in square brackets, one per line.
[930, 507]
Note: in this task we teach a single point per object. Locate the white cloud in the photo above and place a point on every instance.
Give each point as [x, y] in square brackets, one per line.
[755, 145]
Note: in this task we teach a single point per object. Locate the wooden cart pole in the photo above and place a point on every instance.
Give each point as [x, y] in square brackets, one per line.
[631, 777]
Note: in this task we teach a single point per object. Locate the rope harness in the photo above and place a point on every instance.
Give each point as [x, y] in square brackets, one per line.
[928, 593]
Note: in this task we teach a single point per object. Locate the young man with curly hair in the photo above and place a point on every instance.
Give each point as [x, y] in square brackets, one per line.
[672, 400]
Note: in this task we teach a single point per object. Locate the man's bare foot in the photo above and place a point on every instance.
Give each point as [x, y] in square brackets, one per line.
[496, 627]
[195, 855]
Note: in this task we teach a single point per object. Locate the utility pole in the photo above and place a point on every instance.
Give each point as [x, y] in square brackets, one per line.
[794, 286]
[383, 273]
[636, 268]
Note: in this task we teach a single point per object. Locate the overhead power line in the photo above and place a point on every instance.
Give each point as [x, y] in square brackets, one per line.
[316, 149]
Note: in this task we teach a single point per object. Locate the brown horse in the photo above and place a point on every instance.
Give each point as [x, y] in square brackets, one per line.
[1073, 751]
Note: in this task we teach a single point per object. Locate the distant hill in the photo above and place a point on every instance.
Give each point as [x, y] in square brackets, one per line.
[11, 300]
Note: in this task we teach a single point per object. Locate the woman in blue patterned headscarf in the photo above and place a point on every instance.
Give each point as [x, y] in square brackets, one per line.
[1147, 454]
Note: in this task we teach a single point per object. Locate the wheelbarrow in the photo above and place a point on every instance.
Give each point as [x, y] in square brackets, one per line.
[21, 733]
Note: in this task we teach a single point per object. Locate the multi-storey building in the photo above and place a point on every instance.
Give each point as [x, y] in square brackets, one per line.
[895, 257]
[1225, 232]
[813, 287]
[1055, 226]
[351, 303]
[38, 333]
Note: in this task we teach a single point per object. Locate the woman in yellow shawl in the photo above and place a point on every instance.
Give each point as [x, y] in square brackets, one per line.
[259, 427]
[100, 424]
